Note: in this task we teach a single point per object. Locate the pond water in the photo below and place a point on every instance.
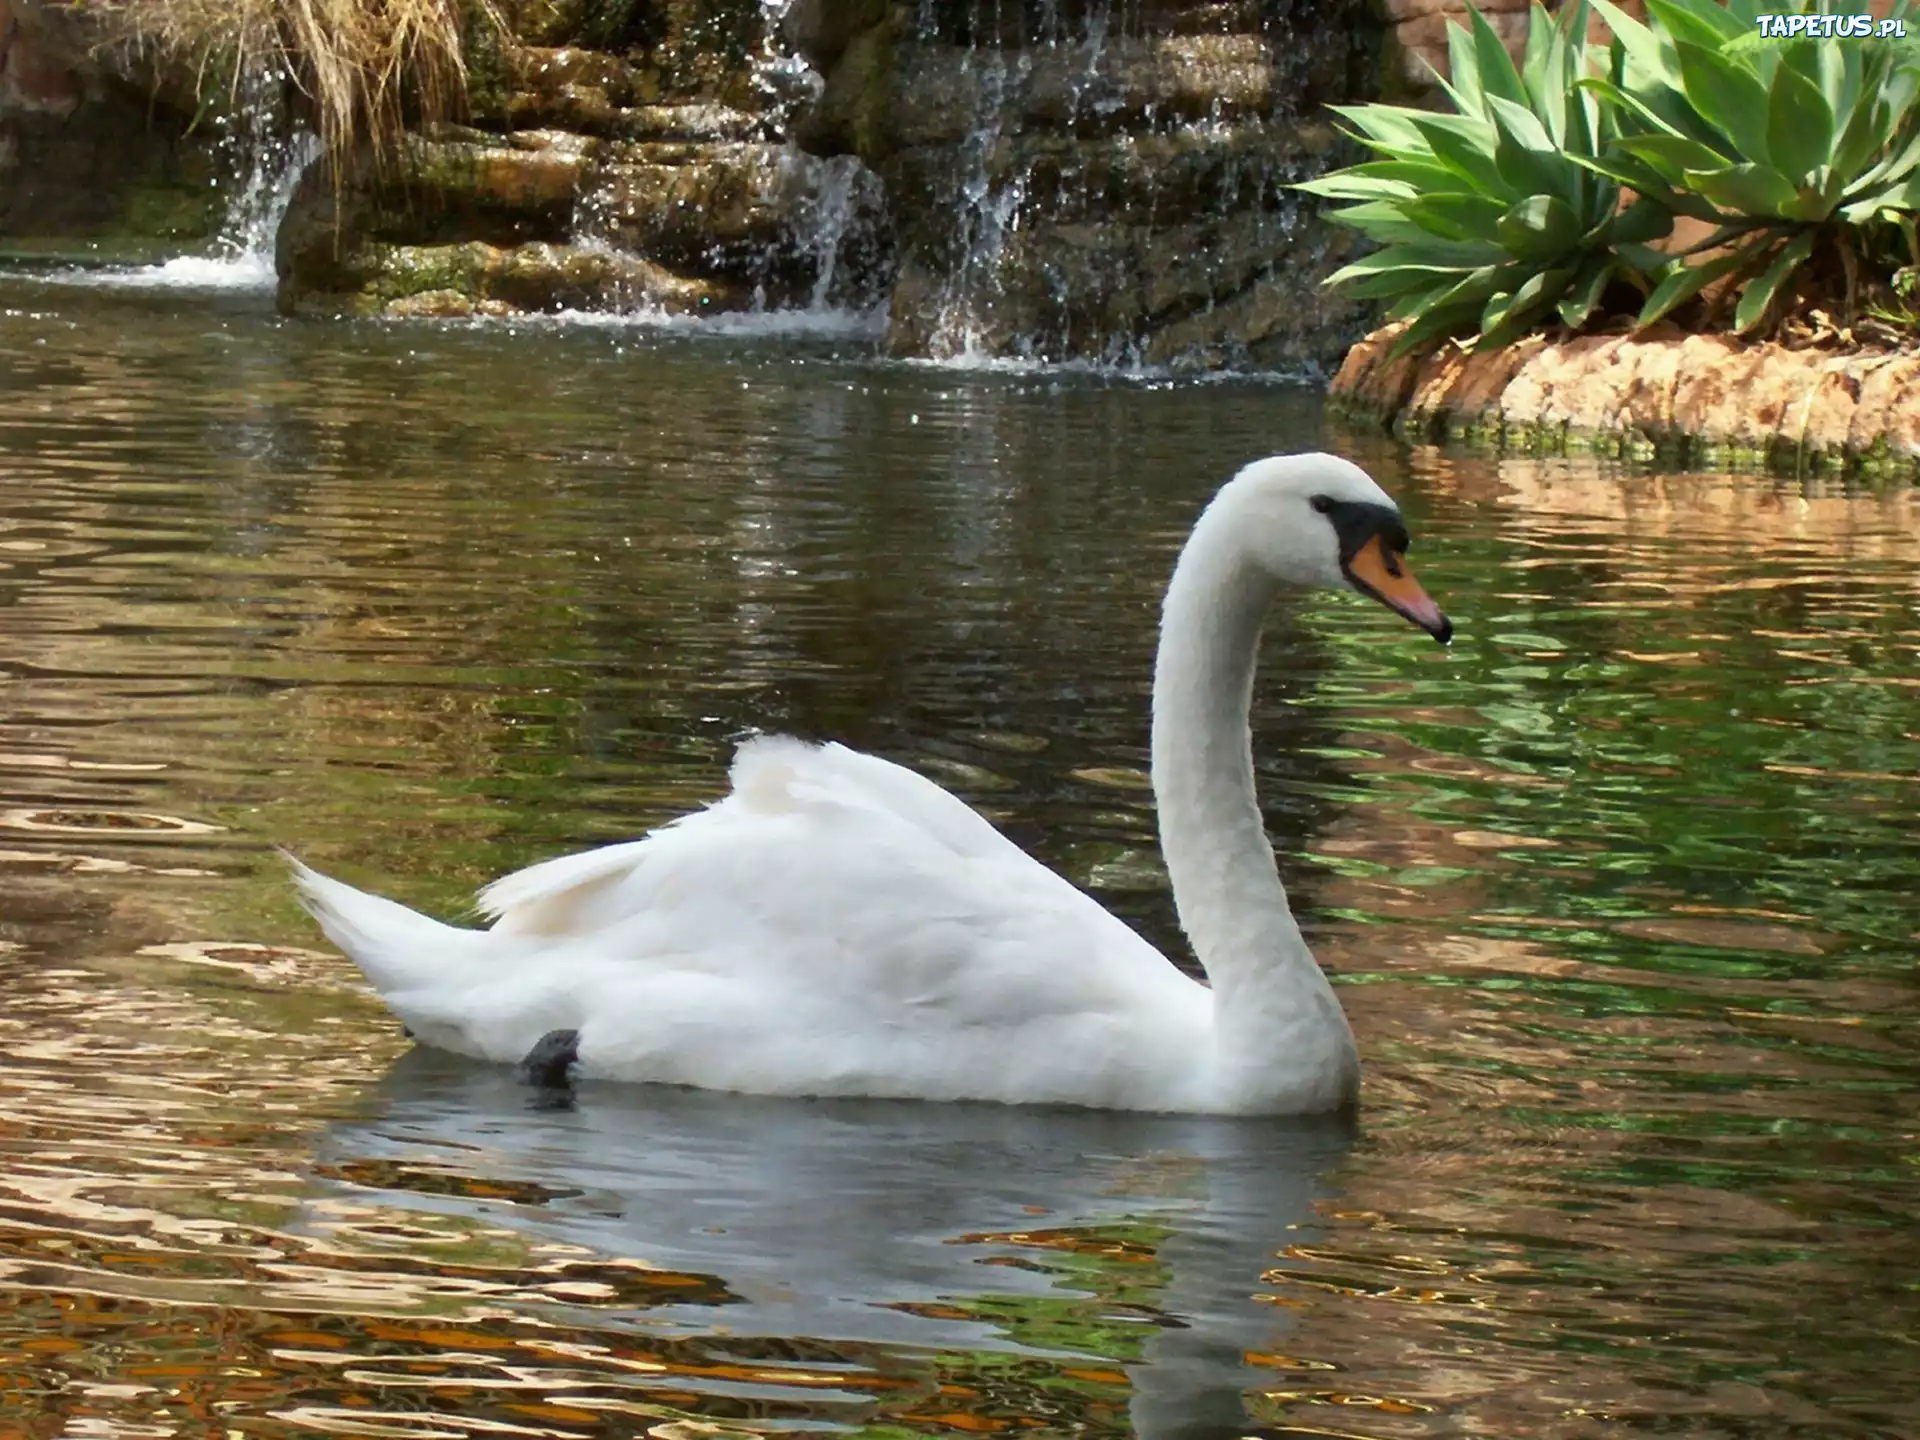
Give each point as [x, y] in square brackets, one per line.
[1622, 893]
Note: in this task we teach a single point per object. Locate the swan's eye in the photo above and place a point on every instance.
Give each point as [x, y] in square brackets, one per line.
[1322, 503]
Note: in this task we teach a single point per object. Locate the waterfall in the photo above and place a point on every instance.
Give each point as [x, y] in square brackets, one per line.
[264, 157]
[832, 204]
[1106, 180]
[1097, 181]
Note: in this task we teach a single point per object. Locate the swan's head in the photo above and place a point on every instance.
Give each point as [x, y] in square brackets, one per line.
[1321, 521]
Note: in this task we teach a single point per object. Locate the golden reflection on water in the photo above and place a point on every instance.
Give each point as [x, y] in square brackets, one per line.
[1619, 891]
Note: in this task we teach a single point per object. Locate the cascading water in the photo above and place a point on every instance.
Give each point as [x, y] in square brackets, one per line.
[705, 183]
[1049, 180]
[265, 156]
[1100, 180]
[1106, 180]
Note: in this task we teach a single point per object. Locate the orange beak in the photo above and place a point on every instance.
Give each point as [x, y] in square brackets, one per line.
[1382, 573]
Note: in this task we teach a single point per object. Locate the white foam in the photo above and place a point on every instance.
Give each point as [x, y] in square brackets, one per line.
[243, 262]
[809, 324]
[235, 273]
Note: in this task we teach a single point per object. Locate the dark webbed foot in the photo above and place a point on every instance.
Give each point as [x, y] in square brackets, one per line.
[550, 1061]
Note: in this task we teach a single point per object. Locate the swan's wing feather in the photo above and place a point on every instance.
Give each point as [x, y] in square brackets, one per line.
[552, 898]
[829, 869]
[773, 773]
[773, 776]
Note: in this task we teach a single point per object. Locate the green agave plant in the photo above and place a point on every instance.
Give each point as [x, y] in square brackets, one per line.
[1488, 216]
[1781, 144]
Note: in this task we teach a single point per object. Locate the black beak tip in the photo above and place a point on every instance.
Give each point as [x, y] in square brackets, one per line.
[1443, 632]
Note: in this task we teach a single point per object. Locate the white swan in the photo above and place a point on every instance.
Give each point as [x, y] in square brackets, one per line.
[839, 925]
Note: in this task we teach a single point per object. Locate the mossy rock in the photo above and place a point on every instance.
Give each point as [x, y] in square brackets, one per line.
[854, 114]
[476, 278]
[822, 30]
[596, 24]
[173, 211]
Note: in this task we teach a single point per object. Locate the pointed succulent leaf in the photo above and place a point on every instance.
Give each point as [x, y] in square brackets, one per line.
[1656, 111]
[1546, 73]
[1450, 311]
[1671, 157]
[1738, 232]
[1437, 323]
[1467, 103]
[1644, 258]
[1462, 82]
[1636, 44]
[1727, 96]
[1390, 284]
[1901, 160]
[1495, 310]
[1540, 227]
[1512, 118]
[1346, 185]
[1681, 284]
[1800, 134]
[1699, 22]
[1384, 125]
[1584, 293]
[1640, 222]
[1867, 132]
[1839, 77]
[1492, 62]
[1540, 289]
[1887, 203]
[1382, 222]
[1422, 174]
[1810, 204]
[1393, 258]
[1760, 291]
[1638, 177]
[1466, 147]
[1418, 302]
[1746, 189]
[1527, 161]
[1455, 217]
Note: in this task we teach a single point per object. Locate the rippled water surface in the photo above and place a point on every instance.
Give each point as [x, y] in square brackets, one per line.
[1622, 893]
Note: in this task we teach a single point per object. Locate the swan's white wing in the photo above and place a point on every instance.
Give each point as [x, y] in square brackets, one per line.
[773, 776]
[835, 910]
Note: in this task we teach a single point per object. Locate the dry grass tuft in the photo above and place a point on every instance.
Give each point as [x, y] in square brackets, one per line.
[367, 66]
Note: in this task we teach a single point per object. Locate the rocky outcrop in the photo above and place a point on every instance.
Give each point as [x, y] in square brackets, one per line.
[1416, 47]
[95, 146]
[1058, 179]
[1684, 399]
[1061, 184]
[1079, 179]
[616, 156]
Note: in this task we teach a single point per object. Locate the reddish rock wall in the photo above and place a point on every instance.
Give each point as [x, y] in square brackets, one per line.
[1685, 398]
[1417, 41]
[1418, 37]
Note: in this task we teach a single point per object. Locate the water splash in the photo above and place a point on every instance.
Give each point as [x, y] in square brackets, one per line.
[242, 255]
[265, 157]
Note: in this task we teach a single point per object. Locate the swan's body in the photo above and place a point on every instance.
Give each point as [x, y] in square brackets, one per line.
[839, 925]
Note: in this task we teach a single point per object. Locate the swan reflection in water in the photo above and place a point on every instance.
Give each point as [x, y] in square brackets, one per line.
[876, 1221]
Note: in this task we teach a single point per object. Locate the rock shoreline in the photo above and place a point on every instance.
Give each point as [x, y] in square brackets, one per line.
[1667, 396]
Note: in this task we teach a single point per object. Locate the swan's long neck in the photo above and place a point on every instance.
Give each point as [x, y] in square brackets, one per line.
[1274, 1013]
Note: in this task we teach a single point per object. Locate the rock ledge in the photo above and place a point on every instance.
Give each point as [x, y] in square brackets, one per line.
[1685, 399]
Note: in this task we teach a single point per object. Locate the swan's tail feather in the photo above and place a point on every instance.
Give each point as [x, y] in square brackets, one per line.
[397, 948]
